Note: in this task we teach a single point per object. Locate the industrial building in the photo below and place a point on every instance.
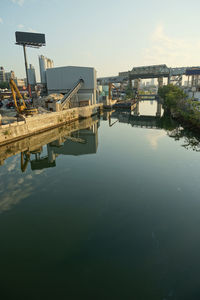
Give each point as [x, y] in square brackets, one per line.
[63, 79]
[6, 76]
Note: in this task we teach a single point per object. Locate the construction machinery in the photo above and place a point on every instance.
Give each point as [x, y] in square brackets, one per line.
[20, 104]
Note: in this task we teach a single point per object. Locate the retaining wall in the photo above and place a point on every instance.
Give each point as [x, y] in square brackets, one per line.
[34, 142]
[42, 122]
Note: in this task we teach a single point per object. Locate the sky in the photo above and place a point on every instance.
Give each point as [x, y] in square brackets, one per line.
[110, 35]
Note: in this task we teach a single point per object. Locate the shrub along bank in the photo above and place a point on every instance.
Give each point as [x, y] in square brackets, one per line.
[176, 103]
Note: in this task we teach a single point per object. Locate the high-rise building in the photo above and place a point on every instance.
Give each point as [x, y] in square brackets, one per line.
[31, 75]
[2, 74]
[45, 63]
[9, 75]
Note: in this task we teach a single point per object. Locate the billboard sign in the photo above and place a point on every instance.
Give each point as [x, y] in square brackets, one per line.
[30, 39]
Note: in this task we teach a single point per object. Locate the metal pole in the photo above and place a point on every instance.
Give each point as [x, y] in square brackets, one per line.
[26, 67]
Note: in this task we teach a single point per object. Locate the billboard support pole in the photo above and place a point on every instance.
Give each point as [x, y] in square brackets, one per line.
[26, 68]
[29, 39]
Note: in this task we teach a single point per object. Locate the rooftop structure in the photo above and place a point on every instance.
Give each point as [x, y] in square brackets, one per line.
[44, 63]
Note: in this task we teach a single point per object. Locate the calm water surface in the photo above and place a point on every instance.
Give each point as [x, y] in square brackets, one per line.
[111, 211]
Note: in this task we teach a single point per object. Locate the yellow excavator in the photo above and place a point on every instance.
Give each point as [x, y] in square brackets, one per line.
[21, 105]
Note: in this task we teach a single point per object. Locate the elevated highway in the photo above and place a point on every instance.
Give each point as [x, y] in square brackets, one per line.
[148, 72]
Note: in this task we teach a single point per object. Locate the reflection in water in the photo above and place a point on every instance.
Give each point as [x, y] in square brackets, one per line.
[84, 141]
[191, 140]
[13, 188]
[38, 163]
[144, 115]
[122, 224]
[81, 137]
[77, 138]
[40, 152]
[81, 142]
[158, 120]
[154, 138]
[148, 108]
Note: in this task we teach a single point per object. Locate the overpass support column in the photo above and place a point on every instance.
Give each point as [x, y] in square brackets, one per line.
[136, 86]
[137, 109]
[160, 82]
[193, 81]
[168, 80]
[188, 82]
[159, 107]
[51, 155]
[130, 83]
[137, 83]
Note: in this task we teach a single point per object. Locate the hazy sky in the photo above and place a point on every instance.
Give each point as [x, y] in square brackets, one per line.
[110, 35]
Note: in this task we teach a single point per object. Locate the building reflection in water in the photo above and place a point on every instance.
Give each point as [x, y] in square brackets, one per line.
[81, 142]
[135, 118]
[77, 138]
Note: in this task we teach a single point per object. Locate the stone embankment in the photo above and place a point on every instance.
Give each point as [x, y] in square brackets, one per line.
[39, 123]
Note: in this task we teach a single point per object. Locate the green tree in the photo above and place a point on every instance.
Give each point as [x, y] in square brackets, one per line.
[172, 95]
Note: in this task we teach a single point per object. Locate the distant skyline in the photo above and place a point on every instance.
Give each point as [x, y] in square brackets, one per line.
[111, 36]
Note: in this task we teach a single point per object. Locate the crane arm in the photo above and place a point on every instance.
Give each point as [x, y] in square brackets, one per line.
[14, 89]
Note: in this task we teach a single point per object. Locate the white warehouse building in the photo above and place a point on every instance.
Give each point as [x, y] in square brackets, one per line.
[63, 79]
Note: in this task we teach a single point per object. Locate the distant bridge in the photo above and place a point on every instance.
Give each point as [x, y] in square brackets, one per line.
[147, 72]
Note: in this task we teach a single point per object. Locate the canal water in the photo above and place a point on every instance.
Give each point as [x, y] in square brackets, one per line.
[110, 211]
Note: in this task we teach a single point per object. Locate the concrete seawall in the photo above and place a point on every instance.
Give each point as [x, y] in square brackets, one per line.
[34, 142]
[39, 123]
